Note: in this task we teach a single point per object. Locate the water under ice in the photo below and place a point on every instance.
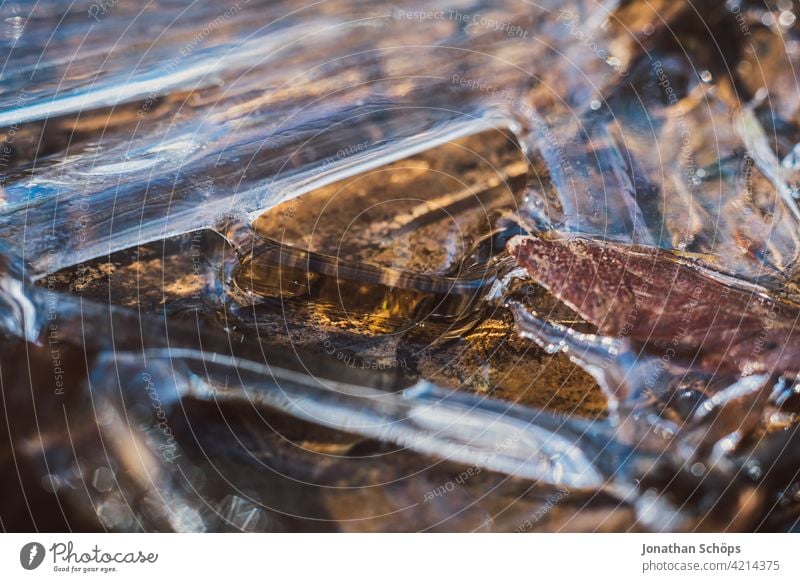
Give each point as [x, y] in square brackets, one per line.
[353, 266]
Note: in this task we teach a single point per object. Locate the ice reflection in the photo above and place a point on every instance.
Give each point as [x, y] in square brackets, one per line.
[255, 273]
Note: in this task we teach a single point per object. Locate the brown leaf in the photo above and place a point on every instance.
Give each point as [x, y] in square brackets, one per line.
[655, 298]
